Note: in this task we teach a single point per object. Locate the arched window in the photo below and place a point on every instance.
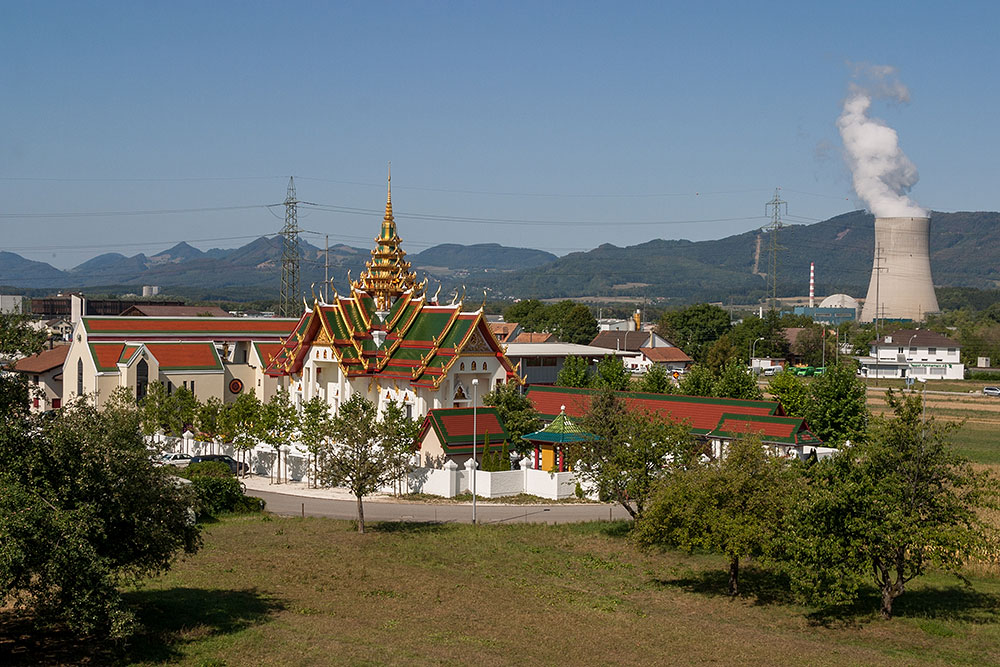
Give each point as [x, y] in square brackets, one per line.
[461, 366]
[79, 377]
[473, 365]
[141, 379]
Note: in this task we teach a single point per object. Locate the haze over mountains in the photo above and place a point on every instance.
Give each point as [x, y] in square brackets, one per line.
[965, 250]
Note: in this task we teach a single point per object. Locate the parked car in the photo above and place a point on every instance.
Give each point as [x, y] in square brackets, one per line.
[772, 370]
[173, 459]
[991, 391]
[236, 467]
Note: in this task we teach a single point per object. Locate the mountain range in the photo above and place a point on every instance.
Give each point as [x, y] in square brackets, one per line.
[965, 251]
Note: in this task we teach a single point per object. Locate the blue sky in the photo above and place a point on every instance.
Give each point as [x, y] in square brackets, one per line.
[586, 116]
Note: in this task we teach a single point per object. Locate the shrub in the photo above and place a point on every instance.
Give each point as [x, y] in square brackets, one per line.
[217, 490]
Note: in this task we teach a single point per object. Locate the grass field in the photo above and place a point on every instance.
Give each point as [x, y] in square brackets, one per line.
[269, 591]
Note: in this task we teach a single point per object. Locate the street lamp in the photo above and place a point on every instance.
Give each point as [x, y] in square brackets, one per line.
[753, 346]
[475, 387]
[909, 362]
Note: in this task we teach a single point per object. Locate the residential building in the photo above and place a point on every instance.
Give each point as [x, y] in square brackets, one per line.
[540, 363]
[918, 353]
[673, 359]
[211, 356]
[44, 372]
[505, 332]
[388, 340]
[632, 343]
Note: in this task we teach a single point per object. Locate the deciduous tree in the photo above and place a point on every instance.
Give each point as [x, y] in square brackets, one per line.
[694, 329]
[886, 509]
[574, 373]
[356, 459]
[629, 451]
[698, 381]
[793, 394]
[83, 511]
[611, 373]
[838, 408]
[737, 381]
[656, 380]
[397, 438]
[516, 412]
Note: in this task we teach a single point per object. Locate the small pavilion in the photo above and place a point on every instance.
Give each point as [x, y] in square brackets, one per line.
[552, 442]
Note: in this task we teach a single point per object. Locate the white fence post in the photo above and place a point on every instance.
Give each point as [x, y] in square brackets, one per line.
[452, 469]
[188, 438]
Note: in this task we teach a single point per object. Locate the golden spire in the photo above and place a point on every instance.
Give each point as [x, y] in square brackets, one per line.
[387, 274]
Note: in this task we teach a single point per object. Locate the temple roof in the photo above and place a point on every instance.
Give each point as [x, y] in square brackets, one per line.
[454, 428]
[387, 274]
[561, 430]
[416, 341]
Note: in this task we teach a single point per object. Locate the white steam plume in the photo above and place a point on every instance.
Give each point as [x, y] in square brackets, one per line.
[881, 171]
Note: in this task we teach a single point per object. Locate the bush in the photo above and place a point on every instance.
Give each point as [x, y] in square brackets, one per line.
[217, 490]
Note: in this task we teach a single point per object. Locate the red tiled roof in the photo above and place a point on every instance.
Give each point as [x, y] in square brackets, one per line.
[766, 429]
[502, 330]
[703, 414]
[184, 355]
[919, 337]
[665, 354]
[533, 337]
[453, 427]
[43, 361]
[270, 327]
[106, 355]
[268, 351]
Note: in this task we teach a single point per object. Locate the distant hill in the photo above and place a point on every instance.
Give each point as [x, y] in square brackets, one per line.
[17, 271]
[965, 251]
[481, 256]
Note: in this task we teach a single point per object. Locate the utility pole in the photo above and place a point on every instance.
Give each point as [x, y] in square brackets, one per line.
[290, 255]
[773, 208]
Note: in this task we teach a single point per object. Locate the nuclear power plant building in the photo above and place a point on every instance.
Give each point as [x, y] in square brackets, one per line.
[901, 287]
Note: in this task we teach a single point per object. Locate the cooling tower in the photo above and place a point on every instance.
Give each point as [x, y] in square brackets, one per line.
[903, 288]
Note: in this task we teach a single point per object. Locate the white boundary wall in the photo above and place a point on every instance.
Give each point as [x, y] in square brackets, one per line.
[448, 482]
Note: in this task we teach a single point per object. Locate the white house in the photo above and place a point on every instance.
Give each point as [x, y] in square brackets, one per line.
[916, 353]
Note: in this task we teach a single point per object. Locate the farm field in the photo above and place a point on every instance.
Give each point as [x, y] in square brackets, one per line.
[269, 591]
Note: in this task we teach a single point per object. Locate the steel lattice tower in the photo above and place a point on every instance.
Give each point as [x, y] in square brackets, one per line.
[774, 206]
[290, 255]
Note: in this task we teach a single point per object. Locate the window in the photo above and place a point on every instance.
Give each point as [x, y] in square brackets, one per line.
[56, 403]
[932, 350]
[34, 379]
[900, 351]
[79, 377]
[461, 366]
[951, 350]
[409, 411]
[473, 365]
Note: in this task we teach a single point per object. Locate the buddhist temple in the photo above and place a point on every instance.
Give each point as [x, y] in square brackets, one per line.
[391, 341]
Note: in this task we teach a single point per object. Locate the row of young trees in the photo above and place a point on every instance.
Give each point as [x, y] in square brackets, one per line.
[881, 512]
[353, 449]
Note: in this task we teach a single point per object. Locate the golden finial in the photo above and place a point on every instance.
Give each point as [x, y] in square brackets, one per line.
[388, 197]
[436, 293]
[483, 307]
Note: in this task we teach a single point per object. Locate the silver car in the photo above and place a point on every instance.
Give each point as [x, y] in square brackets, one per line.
[991, 391]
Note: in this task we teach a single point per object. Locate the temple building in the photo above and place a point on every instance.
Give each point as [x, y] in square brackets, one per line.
[390, 341]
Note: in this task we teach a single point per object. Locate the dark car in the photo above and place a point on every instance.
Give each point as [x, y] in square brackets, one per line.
[236, 467]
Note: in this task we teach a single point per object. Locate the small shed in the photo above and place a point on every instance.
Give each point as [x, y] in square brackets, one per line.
[552, 442]
[449, 434]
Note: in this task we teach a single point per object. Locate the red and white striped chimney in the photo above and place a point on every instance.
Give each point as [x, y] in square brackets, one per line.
[812, 284]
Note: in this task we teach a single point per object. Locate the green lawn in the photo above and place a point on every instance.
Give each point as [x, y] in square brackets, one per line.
[275, 591]
[978, 442]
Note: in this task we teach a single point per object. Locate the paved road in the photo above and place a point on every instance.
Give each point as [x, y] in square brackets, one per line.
[486, 513]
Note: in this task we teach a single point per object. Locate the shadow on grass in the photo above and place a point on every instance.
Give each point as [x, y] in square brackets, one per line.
[412, 527]
[761, 585]
[618, 529]
[165, 617]
[952, 603]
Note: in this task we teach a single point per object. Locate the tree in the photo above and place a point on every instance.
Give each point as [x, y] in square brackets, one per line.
[838, 409]
[721, 353]
[530, 314]
[629, 451]
[83, 511]
[183, 409]
[280, 422]
[315, 425]
[793, 394]
[18, 338]
[155, 411]
[735, 506]
[810, 343]
[574, 373]
[208, 421]
[242, 421]
[737, 381]
[611, 373]
[397, 437]
[694, 329]
[656, 380]
[578, 326]
[355, 460]
[886, 509]
[517, 413]
[698, 381]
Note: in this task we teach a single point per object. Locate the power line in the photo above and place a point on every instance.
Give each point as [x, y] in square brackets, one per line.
[162, 211]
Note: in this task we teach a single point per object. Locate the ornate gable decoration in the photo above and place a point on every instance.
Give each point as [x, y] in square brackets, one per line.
[387, 275]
